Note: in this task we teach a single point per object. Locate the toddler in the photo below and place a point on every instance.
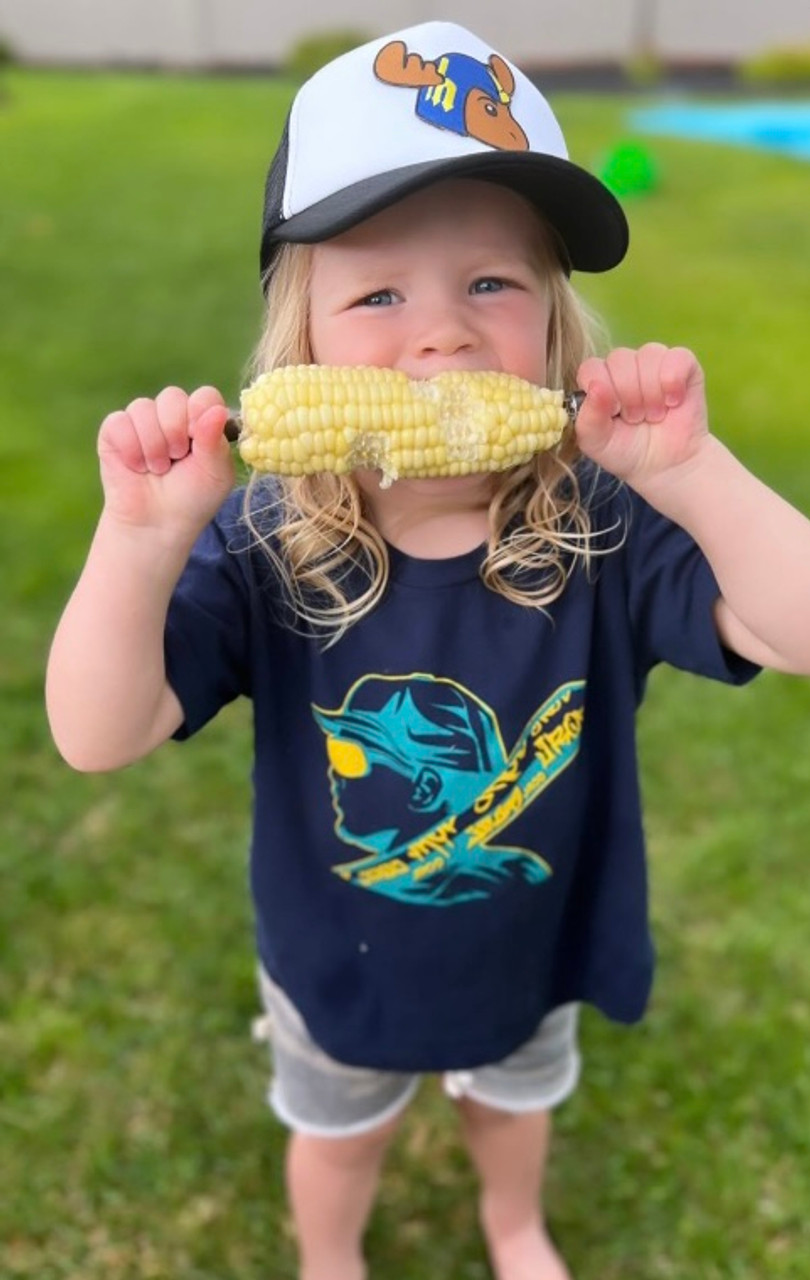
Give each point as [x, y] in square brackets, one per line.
[447, 853]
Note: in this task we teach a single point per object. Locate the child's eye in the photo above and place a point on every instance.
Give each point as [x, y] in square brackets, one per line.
[488, 284]
[379, 298]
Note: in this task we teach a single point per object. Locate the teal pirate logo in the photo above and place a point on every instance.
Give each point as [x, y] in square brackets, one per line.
[422, 783]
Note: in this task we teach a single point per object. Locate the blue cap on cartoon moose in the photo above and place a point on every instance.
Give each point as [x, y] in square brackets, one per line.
[431, 102]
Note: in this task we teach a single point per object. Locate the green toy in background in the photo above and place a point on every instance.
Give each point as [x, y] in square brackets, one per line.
[628, 169]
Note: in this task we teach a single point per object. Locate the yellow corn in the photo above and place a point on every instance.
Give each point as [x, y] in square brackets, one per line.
[300, 419]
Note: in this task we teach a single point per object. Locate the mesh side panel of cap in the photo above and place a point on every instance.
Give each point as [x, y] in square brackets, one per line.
[274, 194]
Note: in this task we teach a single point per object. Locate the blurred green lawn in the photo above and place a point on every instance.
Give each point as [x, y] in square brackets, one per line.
[135, 1142]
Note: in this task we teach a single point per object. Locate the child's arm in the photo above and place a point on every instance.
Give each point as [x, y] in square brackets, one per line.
[165, 469]
[645, 420]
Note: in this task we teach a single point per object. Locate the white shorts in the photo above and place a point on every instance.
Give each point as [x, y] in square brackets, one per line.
[313, 1093]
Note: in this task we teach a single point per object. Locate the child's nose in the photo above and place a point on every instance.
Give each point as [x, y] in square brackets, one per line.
[445, 332]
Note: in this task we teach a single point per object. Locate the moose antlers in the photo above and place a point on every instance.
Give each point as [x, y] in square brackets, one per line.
[394, 65]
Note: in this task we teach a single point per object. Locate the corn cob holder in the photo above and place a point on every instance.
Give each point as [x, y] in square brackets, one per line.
[301, 419]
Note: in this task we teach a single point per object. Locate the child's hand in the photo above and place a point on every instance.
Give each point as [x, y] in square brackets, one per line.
[645, 412]
[165, 464]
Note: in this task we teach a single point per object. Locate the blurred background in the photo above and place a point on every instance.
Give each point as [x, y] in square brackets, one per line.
[255, 33]
[134, 143]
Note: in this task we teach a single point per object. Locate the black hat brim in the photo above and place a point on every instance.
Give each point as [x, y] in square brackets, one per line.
[587, 217]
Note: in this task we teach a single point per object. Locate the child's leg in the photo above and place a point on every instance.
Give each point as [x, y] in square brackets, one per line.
[509, 1152]
[505, 1112]
[331, 1184]
[342, 1119]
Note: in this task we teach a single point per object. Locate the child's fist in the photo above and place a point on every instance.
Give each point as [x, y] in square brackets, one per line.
[644, 413]
[165, 462]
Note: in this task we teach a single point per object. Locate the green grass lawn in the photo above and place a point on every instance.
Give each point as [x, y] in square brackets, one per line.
[135, 1143]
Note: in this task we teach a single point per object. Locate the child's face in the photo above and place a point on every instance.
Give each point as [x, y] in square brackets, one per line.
[447, 278]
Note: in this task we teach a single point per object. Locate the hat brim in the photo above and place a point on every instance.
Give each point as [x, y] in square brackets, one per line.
[586, 216]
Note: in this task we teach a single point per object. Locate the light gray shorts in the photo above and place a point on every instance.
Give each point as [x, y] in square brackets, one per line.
[312, 1093]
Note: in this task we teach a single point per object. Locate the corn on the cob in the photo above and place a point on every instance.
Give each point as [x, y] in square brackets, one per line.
[300, 419]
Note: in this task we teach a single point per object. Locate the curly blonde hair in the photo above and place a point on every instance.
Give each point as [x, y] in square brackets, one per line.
[330, 559]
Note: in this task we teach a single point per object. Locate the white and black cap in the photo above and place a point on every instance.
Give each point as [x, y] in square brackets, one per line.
[427, 103]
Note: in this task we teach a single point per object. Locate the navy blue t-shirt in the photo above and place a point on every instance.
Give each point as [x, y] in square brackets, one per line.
[447, 837]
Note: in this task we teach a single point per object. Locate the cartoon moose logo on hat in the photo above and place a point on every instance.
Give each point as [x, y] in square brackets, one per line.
[457, 92]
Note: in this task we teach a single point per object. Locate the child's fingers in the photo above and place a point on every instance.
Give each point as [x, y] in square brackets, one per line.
[210, 449]
[207, 430]
[150, 435]
[645, 383]
[679, 370]
[601, 404]
[625, 374]
[595, 417]
[172, 409]
[117, 435]
[650, 361]
[208, 415]
[144, 416]
[594, 378]
[202, 399]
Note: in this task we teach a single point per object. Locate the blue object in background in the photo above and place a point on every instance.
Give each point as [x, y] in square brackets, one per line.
[783, 127]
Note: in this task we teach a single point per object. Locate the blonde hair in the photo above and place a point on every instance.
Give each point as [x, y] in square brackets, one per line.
[332, 562]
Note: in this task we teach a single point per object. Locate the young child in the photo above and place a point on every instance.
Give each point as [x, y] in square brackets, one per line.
[447, 855]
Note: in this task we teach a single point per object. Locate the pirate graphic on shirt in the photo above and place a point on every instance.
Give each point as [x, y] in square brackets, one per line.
[421, 782]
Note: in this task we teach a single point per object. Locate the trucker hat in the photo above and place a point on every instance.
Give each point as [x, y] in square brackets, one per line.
[406, 110]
